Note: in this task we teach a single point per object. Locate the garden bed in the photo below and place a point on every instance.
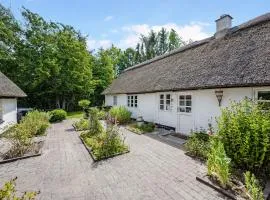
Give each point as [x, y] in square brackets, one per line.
[33, 151]
[144, 128]
[102, 158]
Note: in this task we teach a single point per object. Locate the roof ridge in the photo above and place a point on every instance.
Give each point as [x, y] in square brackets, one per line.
[255, 21]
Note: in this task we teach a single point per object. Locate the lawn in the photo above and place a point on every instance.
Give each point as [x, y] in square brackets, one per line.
[75, 114]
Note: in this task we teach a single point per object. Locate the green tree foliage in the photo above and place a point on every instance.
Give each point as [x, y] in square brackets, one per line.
[244, 130]
[150, 46]
[51, 63]
[103, 74]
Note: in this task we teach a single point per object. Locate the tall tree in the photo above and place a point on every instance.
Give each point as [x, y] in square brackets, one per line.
[163, 45]
[103, 74]
[174, 40]
[10, 34]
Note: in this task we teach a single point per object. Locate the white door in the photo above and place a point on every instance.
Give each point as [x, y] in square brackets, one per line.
[184, 113]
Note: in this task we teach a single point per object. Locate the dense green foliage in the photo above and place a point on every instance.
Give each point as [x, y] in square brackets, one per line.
[218, 164]
[82, 125]
[8, 192]
[51, 63]
[120, 114]
[58, 115]
[33, 124]
[84, 103]
[144, 128]
[198, 144]
[244, 130]
[95, 126]
[106, 144]
[253, 187]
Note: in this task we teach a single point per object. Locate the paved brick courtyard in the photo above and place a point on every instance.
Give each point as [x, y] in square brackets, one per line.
[152, 170]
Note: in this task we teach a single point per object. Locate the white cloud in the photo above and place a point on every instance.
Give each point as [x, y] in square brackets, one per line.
[96, 44]
[194, 31]
[108, 18]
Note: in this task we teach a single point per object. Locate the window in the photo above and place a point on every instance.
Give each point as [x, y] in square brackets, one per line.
[184, 104]
[165, 102]
[132, 101]
[264, 99]
[114, 100]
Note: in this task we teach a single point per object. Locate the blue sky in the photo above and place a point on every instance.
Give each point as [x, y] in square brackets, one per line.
[122, 21]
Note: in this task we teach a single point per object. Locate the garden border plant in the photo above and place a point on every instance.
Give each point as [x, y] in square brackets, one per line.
[147, 127]
[21, 135]
[99, 142]
[240, 148]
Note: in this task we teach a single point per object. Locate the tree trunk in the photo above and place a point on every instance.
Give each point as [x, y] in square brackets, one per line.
[57, 102]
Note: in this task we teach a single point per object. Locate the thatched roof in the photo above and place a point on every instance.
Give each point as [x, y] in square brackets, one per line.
[8, 88]
[240, 58]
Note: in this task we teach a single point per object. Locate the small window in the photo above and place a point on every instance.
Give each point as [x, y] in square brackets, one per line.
[132, 101]
[264, 99]
[114, 100]
[165, 102]
[184, 104]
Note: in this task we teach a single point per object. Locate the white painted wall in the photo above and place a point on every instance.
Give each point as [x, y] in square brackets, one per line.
[205, 107]
[8, 109]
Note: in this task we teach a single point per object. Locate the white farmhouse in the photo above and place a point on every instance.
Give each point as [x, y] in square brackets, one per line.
[186, 88]
[9, 92]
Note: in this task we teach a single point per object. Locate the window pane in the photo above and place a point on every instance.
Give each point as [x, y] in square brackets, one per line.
[264, 95]
[131, 97]
[188, 97]
[161, 101]
[136, 105]
[135, 97]
[168, 107]
[161, 96]
[182, 109]
[128, 97]
[168, 96]
[188, 109]
[161, 107]
[168, 102]
[188, 103]
[182, 97]
[181, 103]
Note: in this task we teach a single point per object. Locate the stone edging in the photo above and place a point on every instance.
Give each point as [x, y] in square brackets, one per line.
[20, 158]
[93, 156]
[218, 189]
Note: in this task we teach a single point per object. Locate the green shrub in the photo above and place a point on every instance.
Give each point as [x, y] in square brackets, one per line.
[121, 114]
[58, 115]
[144, 128]
[244, 130]
[8, 192]
[82, 125]
[198, 144]
[84, 103]
[95, 126]
[33, 124]
[253, 187]
[101, 114]
[37, 121]
[218, 164]
[107, 143]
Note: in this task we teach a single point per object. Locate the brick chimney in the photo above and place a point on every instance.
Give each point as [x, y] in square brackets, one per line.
[223, 24]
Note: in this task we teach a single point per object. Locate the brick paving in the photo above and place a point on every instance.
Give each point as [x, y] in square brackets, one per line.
[152, 170]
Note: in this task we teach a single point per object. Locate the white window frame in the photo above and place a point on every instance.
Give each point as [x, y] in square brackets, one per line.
[184, 104]
[132, 101]
[166, 106]
[257, 94]
[115, 100]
